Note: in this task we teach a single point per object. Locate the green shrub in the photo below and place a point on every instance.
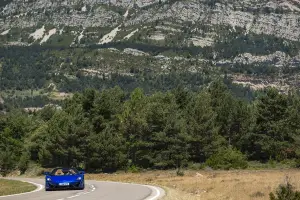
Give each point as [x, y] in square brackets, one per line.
[285, 192]
[297, 163]
[196, 166]
[272, 163]
[133, 169]
[7, 162]
[180, 172]
[228, 159]
[23, 162]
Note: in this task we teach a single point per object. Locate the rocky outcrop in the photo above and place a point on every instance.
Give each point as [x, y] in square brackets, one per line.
[278, 59]
[135, 52]
[275, 17]
[253, 17]
[171, 23]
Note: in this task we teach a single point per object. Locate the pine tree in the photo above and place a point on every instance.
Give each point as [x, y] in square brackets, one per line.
[201, 125]
[133, 123]
[271, 135]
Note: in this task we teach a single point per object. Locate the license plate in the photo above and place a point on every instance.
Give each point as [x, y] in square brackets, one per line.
[63, 184]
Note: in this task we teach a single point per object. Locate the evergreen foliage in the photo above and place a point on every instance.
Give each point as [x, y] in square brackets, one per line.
[111, 130]
[228, 159]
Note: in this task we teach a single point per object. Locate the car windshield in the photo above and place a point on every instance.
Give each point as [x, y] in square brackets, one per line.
[63, 171]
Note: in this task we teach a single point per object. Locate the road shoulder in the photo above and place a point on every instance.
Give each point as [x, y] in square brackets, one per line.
[37, 187]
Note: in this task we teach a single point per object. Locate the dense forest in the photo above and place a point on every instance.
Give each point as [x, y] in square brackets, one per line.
[24, 68]
[35, 67]
[112, 130]
[28, 75]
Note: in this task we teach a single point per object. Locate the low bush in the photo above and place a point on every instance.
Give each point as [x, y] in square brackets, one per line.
[23, 162]
[228, 158]
[285, 192]
[180, 172]
[196, 166]
[7, 162]
[133, 169]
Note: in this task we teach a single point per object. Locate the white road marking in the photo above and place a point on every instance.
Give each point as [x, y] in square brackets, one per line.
[39, 188]
[92, 187]
[156, 190]
[77, 195]
[85, 193]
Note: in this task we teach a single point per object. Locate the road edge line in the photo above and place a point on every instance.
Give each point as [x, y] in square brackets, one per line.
[156, 190]
[39, 188]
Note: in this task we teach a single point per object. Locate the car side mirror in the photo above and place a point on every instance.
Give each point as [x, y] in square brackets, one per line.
[81, 172]
[46, 173]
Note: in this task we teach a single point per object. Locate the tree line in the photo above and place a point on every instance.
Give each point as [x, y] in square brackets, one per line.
[112, 130]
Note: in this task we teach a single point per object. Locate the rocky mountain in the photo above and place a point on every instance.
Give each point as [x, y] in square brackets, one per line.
[36, 18]
[254, 39]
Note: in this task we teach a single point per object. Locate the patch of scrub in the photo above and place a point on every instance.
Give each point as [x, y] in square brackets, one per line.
[46, 37]
[130, 34]
[5, 32]
[110, 36]
[38, 34]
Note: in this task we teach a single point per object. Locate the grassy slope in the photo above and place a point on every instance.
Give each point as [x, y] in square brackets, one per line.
[211, 185]
[8, 187]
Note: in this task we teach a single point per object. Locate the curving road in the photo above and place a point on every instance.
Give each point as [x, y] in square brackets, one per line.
[95, 190]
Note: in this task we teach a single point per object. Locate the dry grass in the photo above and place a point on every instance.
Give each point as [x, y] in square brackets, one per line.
[210, 185]
[8, 187]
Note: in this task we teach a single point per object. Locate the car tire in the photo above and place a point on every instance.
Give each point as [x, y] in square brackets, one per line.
[82, 188]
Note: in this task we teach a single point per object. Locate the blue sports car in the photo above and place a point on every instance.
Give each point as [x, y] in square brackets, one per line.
[60, 178]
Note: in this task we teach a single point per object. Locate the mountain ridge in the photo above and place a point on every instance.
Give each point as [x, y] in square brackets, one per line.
[254, 43]
[267, 17]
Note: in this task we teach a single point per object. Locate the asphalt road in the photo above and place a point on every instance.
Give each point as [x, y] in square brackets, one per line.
[95, 190]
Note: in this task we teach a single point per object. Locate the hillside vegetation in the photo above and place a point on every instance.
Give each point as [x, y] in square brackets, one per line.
[66, 46]
[140, 85]
[110, 130]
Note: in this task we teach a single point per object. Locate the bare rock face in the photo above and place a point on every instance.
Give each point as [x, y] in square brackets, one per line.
[135, 52]
[199, 23]
[277, 18]
[257, 18]
[241, 36]
[67, 13]
[278, 59]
